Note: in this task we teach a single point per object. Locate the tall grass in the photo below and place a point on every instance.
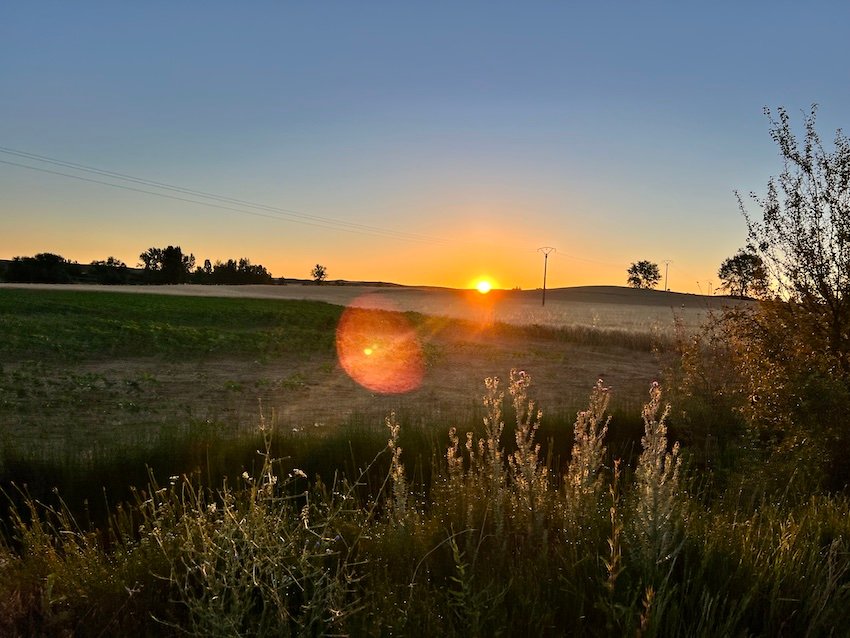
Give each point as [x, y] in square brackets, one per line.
[497, 538]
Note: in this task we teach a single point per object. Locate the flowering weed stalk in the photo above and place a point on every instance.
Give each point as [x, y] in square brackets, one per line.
[491, 454]
[583, 482]
[530, 477]
[655, 526]
[399, 505]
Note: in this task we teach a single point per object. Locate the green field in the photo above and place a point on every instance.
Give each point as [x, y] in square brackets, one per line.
[216, 473]
[59, 326]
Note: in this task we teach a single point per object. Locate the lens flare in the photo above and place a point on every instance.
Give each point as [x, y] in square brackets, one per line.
[378, 348]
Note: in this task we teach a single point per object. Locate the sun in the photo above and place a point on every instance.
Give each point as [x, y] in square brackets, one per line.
[483, 286]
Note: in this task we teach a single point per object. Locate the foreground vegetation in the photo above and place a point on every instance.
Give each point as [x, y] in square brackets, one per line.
[580, 524]
[496, 541]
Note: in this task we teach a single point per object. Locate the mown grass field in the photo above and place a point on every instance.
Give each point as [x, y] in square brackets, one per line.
[267, 501]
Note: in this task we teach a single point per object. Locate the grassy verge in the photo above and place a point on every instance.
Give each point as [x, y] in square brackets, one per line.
[492, 539]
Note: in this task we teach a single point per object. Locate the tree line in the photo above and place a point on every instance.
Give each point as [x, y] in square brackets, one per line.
[169, 265]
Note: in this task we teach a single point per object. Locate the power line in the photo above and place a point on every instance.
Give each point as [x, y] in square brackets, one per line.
[281, 214]
[590, 261]
[182, 199]
[203, 194]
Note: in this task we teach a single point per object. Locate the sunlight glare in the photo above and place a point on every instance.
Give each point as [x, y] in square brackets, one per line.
[484, 286]
[377, 347]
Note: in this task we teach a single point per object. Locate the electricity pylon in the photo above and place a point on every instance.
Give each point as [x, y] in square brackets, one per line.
[545, 250]
[667, 263]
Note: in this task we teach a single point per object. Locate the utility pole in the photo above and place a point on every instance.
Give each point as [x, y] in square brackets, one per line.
[667, 263]
[545, 250]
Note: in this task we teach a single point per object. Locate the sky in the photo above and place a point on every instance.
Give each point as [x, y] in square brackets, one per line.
[423, 143]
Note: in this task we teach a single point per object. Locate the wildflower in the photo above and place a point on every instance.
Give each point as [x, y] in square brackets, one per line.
[657, 482]
[583, 479]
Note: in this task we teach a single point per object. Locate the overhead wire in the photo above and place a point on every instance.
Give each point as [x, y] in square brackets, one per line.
[280, 214]
[586, 259]
[232, 204]
[182, 199]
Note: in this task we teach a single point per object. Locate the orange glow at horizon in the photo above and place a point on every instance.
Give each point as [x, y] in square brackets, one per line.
[483, 283]
[484, 286]
[378, 348]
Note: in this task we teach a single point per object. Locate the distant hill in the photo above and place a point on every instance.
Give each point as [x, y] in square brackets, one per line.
[634, 296]
[578, 294]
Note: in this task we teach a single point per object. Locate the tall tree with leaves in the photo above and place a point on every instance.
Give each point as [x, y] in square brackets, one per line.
[643, 274]
[744, 275]
[792, 353]
[41, 268]
[319, 273]
[803, 236]
[110, 271]
[167, 265]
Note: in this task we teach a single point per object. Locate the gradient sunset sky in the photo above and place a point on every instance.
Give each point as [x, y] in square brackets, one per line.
[416, 142]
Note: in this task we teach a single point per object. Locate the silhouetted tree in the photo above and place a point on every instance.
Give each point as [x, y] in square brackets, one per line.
[643, 274]
[167, 265]
[743, 274]
[44, 268]
[203, 274]
[319, 273]
[151, 259]
[239, 272]
[110, 271]
[803, 236]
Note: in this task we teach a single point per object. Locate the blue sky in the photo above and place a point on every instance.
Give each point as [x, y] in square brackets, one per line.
[457, 137]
